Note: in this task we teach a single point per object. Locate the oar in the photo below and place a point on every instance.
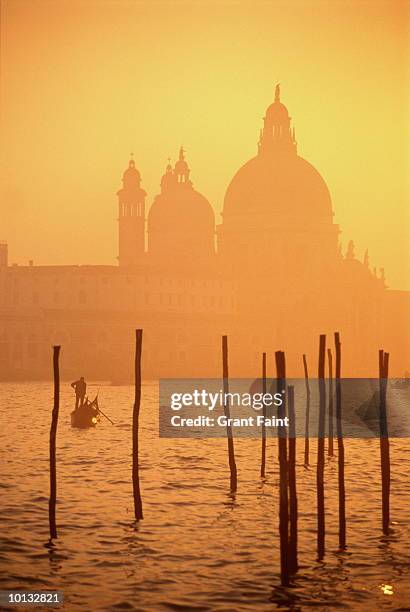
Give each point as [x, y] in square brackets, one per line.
[99, 410]
[104, 415]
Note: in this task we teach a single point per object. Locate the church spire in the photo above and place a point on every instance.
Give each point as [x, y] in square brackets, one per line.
[277, 92]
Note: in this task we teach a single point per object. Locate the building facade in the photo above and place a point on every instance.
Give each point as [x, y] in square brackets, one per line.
[271, 275]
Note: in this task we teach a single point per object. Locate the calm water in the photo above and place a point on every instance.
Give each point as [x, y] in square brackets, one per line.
[198, 548]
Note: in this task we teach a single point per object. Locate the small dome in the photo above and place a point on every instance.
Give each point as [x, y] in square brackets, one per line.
[181, 167]
[277, 113]
[168, 179]
[131, 174]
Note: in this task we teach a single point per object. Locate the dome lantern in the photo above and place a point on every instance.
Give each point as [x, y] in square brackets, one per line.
[181, 168]
[131, 176]
[277, 134]
[168, 179]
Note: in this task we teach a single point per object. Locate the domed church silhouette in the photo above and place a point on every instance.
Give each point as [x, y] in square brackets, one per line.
[271, 275]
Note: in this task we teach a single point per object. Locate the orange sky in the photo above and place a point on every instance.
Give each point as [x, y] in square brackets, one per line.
[84, 83]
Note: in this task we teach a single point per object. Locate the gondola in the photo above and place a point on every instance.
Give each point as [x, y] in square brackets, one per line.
[86, 415]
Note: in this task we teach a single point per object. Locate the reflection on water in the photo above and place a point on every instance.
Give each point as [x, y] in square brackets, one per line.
[199, 548]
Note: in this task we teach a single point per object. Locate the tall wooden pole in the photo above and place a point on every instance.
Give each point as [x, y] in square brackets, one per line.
[283, 473]
[384, 440]
[293, 500]
[231, 451]
[330, 451]
[263, 458]
[135, 428]
[307, 411]
[340, 446]
[53, 434]
[320, 471]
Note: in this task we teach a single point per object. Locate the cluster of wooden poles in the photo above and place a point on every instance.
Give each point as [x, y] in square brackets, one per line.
[288, 503]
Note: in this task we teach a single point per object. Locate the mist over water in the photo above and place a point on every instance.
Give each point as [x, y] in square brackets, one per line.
[198, 548]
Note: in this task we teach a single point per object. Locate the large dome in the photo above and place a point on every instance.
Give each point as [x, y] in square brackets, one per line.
[281, 185]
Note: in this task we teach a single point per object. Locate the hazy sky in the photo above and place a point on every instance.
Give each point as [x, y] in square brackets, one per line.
[84, 83]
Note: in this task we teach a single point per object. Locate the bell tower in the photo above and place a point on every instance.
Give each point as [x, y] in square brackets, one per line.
[131, 217]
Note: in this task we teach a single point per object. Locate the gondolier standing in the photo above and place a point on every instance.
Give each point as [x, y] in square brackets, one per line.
[80, 388]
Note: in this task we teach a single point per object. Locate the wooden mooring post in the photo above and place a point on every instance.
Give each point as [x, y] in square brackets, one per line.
[283, 473]
[340, 445]
[263, 457]
[330, 450]
[384, 440]
[305, 367]
[293, 500]
[135, 428]
[231, 451]
[320, 470]
[53, 433]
